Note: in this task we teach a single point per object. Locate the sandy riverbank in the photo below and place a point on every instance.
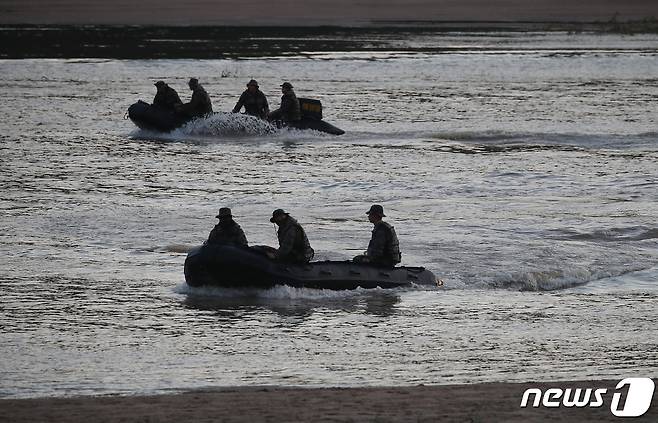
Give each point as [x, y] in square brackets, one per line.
[459, 403]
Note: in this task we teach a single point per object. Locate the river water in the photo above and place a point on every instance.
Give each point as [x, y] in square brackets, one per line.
[520, 168]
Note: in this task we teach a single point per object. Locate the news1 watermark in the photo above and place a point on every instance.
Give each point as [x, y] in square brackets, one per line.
[631, 397]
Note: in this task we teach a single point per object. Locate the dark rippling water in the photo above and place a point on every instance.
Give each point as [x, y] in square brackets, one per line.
[523, 174]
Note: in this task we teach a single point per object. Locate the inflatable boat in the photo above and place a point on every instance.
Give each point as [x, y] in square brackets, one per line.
[154, 118]
[229, 266]
[316, 125]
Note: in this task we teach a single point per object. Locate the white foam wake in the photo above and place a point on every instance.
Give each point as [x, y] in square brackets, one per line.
[279, 292]
[222, 123]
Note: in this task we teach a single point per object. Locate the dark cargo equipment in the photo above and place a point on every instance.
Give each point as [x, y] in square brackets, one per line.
[311, 109]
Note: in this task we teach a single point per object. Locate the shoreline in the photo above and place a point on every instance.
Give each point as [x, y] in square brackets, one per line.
[481, 402]
[231, 42]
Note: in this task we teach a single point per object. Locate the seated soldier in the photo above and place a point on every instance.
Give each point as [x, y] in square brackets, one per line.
[227, 231]
[293, 243]
[384, 247]
[200, 104]
[289, 110]
[253, 100]
[166, 97]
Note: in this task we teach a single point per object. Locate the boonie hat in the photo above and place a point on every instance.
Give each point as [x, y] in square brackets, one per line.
[286, 85]
[224, 212]
[159, 83]
[253, 82]
[276, 213]
[194, 81]
[376, 209]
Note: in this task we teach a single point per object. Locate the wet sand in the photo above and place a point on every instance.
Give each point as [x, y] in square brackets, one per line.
[490, 402]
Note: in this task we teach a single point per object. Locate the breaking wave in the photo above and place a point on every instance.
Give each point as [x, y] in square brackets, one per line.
[171, 248]
[639, 233]
[555, 279]
[497, 141]
[546, 280]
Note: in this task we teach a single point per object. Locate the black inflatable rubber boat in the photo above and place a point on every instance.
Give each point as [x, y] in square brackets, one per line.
[154, 118]
[316, 125]
[230, 266]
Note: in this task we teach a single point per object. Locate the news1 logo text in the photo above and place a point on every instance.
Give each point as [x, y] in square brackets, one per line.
[637, 399]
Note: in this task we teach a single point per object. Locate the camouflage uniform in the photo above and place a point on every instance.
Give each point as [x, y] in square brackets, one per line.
[230, 233]
[384, 247]
[167, 98]
[293, 243]
[289, 110]
[254, 104]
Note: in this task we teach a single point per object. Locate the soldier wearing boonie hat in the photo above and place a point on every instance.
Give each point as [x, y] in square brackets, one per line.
[384, 246]
[293, 242]
[227, 231]
[289, 111]
[253, 100]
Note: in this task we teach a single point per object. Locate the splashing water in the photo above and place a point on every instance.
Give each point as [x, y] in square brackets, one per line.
[222, 123]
